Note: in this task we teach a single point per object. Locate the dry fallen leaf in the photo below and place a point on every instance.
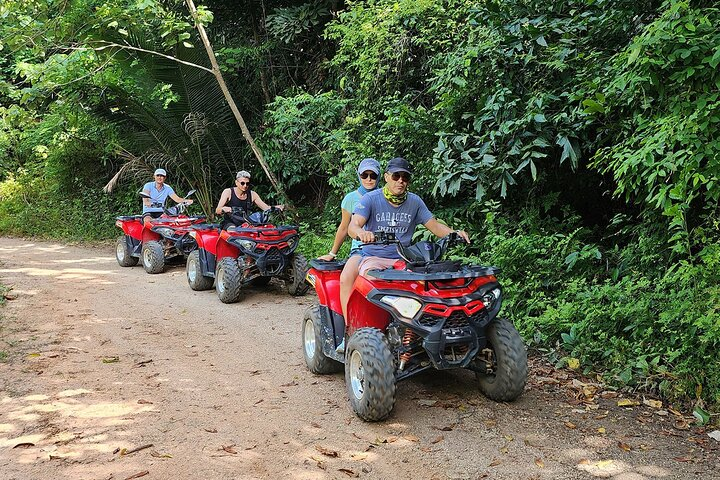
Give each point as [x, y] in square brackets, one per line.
[657, 404]
[24, 445]
[319, 463]
[438, 439]
[624, 446]
[315, 425]
[495, 462]
[138, 475]
[144, 402]
[210, 430]
[601, 430]
[411, 438]
[539, 462]
[326, 451]
[160, 455]
[229, 449]
[686, 458]
[444, 429]
[627, 402]
[348, 472]
[570, 425]
[359, 456]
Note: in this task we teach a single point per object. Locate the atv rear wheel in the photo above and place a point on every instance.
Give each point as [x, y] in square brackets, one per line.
[228, 280]
[123, 254]
[313, 339]
[507, 382]
[195, 277]
[296, 283]
[153, 257]
[260, 281]
[370, 374]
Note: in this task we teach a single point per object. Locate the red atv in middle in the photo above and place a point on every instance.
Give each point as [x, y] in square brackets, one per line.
[423, 313]
[249, 254]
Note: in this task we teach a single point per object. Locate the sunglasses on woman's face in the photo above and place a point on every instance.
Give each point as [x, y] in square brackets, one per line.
[372, 175]
[398, 175]
[244, 183]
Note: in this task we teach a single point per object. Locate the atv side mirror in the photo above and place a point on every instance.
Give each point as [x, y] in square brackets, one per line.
[189, 193]
[143, 194]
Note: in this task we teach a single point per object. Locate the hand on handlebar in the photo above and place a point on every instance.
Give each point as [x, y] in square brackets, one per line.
[366, 237]
[463, 234]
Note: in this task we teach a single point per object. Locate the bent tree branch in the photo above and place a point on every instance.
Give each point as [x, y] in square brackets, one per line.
[241, 122]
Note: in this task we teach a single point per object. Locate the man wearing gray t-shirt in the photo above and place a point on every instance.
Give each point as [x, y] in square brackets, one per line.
[392, 209]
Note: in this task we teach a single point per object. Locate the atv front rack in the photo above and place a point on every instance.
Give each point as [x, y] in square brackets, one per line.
[468, 271]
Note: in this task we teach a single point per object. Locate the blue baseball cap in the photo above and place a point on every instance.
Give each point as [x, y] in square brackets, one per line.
[369, 164]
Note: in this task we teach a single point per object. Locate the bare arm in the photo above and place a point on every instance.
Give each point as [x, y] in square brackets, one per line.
[146, 201]
[355, 229]
[342, 232]
[224, 198]
[443, 230]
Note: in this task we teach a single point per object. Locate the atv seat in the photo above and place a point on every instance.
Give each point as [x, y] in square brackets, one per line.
[323, 266]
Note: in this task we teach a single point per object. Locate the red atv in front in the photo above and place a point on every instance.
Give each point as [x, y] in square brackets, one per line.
[423, 313]
[158, 241]
[252, 253]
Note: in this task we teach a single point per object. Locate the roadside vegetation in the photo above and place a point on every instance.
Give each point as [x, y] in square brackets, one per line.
[577, 141]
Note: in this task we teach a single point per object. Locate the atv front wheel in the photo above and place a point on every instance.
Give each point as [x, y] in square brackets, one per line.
[507, 381]
[123, 254]
[296, 283]
[228, 280]
[195, 277]
[370, 374]
[313, 339]
[153, 257]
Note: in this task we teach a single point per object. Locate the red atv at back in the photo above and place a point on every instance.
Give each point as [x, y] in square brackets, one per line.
[252, 253]
[423, 313]
[158, 241]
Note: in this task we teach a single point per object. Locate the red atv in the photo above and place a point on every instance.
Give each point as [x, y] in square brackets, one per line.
[157, 241]
[252, 253]
[423, 313]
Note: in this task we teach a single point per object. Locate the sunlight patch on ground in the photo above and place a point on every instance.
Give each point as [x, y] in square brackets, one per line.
[70, 424]
[84, 260]
[92, 276]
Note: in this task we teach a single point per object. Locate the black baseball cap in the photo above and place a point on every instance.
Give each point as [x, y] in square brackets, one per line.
[398, 164]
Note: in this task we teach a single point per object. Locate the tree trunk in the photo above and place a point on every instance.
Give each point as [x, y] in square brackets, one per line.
[243, 127]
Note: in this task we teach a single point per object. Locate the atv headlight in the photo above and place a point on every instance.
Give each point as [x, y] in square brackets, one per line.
[164, 231]
[291, 242]
[406, 307]
[248, 245]
[490, 298]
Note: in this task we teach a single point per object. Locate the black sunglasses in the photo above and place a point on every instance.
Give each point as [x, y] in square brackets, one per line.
[372, 175]
[244, 183]
[398, 175]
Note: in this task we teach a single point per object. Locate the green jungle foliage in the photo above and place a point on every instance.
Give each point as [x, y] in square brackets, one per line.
[577, 141]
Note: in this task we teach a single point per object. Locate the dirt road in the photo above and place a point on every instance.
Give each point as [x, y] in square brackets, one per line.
[99, 360]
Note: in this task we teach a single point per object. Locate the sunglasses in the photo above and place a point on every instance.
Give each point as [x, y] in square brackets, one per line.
[372, 175]
[244, 183]
[398, 175]
[163, 176]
